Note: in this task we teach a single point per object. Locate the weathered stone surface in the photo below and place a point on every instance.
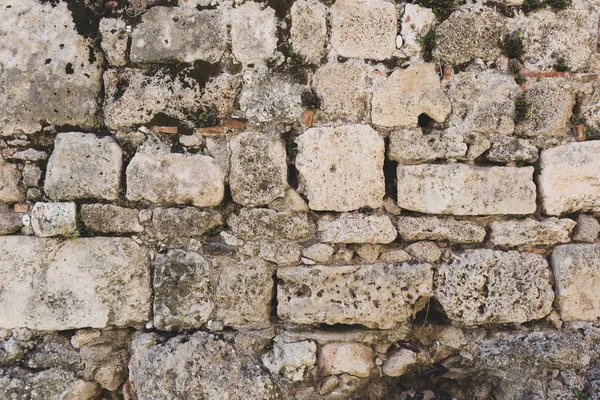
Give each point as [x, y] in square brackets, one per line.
[529, 232]
[363, 29]
[83, 165]
[291, 359]
[484, 28]
[259, 170]
[175, 179]
[280, 253]
[395, 256]
[408, 93]
[10, 192]
[171, 33]
[341, 169]
[587, 229]
[53, 219]
[434, 228]
[291, 201]
[416, 22]
[308, 33]
[260, 223]
[197, 366]
[412, 144]
[10, 222]
[356, 228]
[576, 270]
[220, 93]
[55, 383]
[507, 149]
[31, 175]
[107, 218]
[49, 73]
[465, 190]
[569, 180]
[115, 38]
[185, 222]
[182, 290]
[253, 33]
[424, 251]
[400, 362]
[112, 275]
[346, 358]
[341, 295]
[319, 252]
[487, 286]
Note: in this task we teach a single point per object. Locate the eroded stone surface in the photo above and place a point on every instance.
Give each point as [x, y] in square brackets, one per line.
[10, 222]
[416, 22]
[115, 38]
[587, 229]
[280, 253]
[434, 228]
[341, 169]
[291, 359]
[507, 149]
[465, 190]
[107, 218]
[529, 232]
[253, 32]
[356, 228]
[346, 358]
[10, 176]
[260, 223]
[339, 295]
[412, 144]
[487, 286]
[400, 362]
[185, 222]
[308, 33]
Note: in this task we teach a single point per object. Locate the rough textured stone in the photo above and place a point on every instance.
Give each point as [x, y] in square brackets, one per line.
[340, 295]
[576, 270]
[356, 228]
[424, 251]
[260, 223]
[175, 179]
[48, 73]
[253, 33]
[308, 33]
[291, 201]
[220, 93]
[434, 228]
[319, 252]
[395, 256]
[400, 362]
[258, 168]
[115, 38]
[55, 383]
[529, 232]
[346, 358]
[10, 176]
[197, 366]
[291, 359]
[186, 222]
[83, 165]
[170, 33]
[486, 286]
[484, 28]
[369, 252]
[112, 275]
[416, 22]
[182, 290]
[408, 93]
[280, 253]
[341, 169]
[587, 229]
[465, 190]
[569, 180]
[413, 144]
[31, 175]
[106, 218]
[507, 149]
[10, 222]
[53, 219]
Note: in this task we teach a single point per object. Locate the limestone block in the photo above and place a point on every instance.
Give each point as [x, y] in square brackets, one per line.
[424, 251]
[346, 358]
[260, 223]
[439, 228]
[184, 222]
[53, 219]
[10, 192]
[507, 149]
[529, 232]
[356, 228]
[416, 22]
[108, 218]
[280, 253]
[412, 144]
[587, 229]
[115, 38]
[253, 33]
[400, 362]
[308, 33]
[319, 252]
[291, 359]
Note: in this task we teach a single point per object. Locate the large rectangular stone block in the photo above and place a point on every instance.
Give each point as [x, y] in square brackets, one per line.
[466, 190]
[51, 284]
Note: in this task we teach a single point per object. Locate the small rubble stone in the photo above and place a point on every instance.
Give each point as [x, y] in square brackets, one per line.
[53, 219]
[425, 251]
[220, 93]
[10, 192]
[259, 170]
[436, 228]
[343, 256]
[341, 169]
[10, 222]
[408, 93]
[308, 33]
[115, 38]
[319, 252]
[29, 155]
[339, 295]
[507, 149]
[529, 232]
[260, 223]
[291, 201]
[416, 21]
[587, 229]
[249, 44]
[355, 359]
[291, 359]
[31, 175]
[412, 144]
[466, 190]
[108, 218]
[369, 252]
[395, 256]
[486, 286]
[186, 222]
[576, 270]
[400, 362]
[157, 178]
[280, 253]
[356, 228]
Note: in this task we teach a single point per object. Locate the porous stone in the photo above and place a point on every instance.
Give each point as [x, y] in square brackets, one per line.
[529, 232]
[10, 222]
[507, 149]
[220, 93]
[576, 270]
[112, 275]
[115, 38]
[171, 33]
[483, 27]
[280, 253]
[319, 252]
[259, 170]
[253, 33]
[29, 155]
[186, 222]
[341, 168]
[54, 383]
[48, 72]
[369, 252]
[363, 29]
[175, 179]
[466, 190]
[412, 144]
[182, 290]
[260, 223]
[569, 179]
[291, 359]
[395, 256]
[31, 175]
[308, 33]
[425, 251]
[108, 218]
[340, 295]
[416, 21]
[10, 191]
[355, 359]
[400, 362]
[439, 228]
[486, 286]
[356, 228]
[83, 165]
[195, 366]
[52, 219]
[291, 201]
[587, 229]
[408, 93]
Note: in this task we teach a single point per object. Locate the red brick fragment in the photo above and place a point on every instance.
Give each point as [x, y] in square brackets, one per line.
[233, 124]
[307, 118]
[579, 132]
[164, 129]
[21, 208]
[211, 130]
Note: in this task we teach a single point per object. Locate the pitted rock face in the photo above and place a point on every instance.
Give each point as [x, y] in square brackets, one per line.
[413, 144]
[308, 33]
[10, 191]
[253, 33]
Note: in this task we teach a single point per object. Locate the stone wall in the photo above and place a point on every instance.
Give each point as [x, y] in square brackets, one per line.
[309, 199]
